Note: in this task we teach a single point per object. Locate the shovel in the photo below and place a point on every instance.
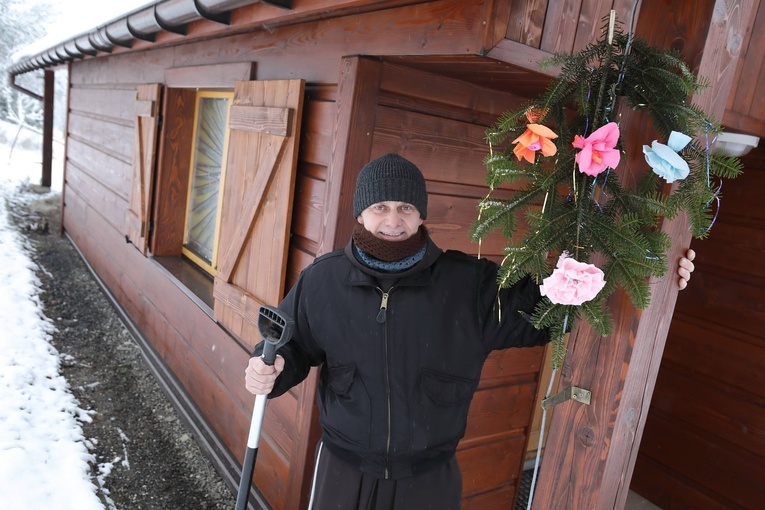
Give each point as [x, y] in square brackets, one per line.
[276, 330]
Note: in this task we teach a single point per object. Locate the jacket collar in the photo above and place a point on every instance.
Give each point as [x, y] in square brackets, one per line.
[418, 275]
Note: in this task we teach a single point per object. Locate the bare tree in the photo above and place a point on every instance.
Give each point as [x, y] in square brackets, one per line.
[21, 23]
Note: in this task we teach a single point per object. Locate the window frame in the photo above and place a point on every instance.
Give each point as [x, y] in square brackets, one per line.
[201, 94]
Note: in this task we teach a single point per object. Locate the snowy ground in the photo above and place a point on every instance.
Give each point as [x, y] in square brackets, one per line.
[43, 454]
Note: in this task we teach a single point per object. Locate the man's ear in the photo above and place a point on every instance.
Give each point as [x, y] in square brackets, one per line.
[359, 219]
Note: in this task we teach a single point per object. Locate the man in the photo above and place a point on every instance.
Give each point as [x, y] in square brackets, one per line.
[402, 330]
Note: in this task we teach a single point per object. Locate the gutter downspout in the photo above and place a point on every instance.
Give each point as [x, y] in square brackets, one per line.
[12, 83]
[47, 100]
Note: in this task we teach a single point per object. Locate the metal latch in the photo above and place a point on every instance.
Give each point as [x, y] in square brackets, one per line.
[570, 393]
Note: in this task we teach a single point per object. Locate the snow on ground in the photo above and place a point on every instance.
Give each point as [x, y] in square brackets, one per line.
[43, 454]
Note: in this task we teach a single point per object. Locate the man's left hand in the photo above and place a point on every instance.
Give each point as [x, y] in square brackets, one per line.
[685, 268]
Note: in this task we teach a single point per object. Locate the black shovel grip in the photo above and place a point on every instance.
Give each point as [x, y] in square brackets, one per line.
[269, 353]
[276, 329]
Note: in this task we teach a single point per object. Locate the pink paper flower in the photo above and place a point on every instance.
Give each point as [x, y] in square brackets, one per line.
[598, 152]
[572, 282]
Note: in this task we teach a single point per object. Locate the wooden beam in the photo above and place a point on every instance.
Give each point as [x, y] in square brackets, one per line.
[358, 90]
[591, 450]
[47, 139]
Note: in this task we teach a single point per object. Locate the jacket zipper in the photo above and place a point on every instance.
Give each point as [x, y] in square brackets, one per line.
[381, 318]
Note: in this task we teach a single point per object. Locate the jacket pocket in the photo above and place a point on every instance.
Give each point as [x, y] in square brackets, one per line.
[439, 413]
[345, 407]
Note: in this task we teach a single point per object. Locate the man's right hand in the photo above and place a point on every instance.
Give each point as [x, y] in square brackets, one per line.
[259, 378]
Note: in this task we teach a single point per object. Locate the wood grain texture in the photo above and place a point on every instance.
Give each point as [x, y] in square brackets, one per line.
[591, 450]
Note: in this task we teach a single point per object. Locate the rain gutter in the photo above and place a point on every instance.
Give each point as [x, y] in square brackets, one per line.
[142, 24]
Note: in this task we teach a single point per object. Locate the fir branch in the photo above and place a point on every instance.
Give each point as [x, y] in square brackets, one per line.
[726, 167]
[598, 317]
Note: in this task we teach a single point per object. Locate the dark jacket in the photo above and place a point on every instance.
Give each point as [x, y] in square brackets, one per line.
[401, 365]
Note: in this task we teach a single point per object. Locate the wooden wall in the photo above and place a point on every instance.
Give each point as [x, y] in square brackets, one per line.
[704, 441]
[439, 124]
[445, 121]
[745, 111]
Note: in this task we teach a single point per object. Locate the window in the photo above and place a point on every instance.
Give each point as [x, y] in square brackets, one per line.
[206, 179]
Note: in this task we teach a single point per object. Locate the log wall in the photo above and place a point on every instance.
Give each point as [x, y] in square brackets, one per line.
[704, 440]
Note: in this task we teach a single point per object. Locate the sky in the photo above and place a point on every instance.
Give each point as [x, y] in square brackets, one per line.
[45, 461]
[74, 17]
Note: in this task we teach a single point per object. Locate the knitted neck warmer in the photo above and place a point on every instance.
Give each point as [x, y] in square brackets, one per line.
[389, 251]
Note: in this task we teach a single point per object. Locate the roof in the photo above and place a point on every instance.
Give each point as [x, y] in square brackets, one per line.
[141, 24]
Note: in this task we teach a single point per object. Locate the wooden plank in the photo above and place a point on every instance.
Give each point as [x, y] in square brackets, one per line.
[527, 18]
[589, 25]
[113, 139]
[561, 26]
[523, 56]
[751, 63]
[452, 217]
[113, 102]
[209, 76]
[240, 303]
[705, 405]
[594, 471]
[453, 150]
[733, 250]
[495, 26]
[179, 345]
[712, 467]
[351, 144]
[736, 304]
[254, 241]
[146, 108]
[309, 208]
[137, 217]
[173, 172]
[492, 466]
[740, 123]
[499, 499]
[314, 47]
[717, 352]
[511, 364]
[411, 88]
[260, 119]
[668, 491]
[501, 410]
[101, 199]
[111, 172]
[231, 252]
[317, 132]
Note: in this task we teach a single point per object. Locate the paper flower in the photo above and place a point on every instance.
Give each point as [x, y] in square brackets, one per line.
[572, 282]
[665, 160]
[536, 138]
[598, 152]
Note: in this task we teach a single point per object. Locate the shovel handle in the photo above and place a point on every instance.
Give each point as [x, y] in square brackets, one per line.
[269, 353]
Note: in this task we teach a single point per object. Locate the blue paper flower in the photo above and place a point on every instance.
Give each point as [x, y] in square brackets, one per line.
[665, 160]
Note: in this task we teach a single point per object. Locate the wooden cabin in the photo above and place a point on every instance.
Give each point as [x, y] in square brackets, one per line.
[212, 148]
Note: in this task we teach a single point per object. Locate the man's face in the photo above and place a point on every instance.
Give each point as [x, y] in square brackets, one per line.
[392, 221]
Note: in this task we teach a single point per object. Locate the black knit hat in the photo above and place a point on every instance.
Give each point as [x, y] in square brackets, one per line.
[390, 177]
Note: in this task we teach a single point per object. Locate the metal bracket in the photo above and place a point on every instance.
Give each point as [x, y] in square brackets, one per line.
[570, 393]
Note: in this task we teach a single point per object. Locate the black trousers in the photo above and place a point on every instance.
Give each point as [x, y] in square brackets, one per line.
[338, 485]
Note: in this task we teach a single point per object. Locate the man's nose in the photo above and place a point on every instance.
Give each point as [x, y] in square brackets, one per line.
[393, 218]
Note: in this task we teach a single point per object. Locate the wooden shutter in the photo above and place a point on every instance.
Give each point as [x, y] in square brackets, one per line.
[264, 125]
[144, 158]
